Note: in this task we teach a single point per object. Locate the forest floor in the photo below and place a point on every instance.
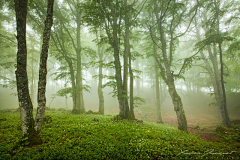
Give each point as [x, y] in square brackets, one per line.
[91, 136]
[207, 126]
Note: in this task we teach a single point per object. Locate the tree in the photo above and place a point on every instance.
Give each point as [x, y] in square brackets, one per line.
[31, 129]
[67, 41]
[109, 14]
[8, 53]
[100, 73]
[169, 16]
[214, 39]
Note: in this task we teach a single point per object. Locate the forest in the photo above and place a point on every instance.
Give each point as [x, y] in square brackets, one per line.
[120, 79]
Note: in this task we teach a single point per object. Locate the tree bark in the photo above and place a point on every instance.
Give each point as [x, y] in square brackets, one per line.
[131, 86]
[167, 74]
[79, 92]
[29, 129]
[158, 102]
[25, 103]
[127, 65]
[138, 79]
[43, 68]
[100, 92]
[32, 84]
[113, 40]
[223, 106]
[216, 76]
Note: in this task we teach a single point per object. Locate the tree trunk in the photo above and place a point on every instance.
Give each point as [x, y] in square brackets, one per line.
[43, 68]
[168, 75]
[113, 37]
[158, 104]
[223, 104]
[218, 82]
[213, 72]
[25, 104]
[100, 92]
[123, 103]
[223, 108]
[178, 106]
[73, 94]
[79, 93]
[127, 63]
[137, 79]
[32, 84]
[131, 86]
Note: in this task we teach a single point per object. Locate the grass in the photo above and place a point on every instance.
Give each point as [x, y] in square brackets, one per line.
[100, 137]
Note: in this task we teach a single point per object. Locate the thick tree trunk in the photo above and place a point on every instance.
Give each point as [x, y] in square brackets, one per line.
[79, 93]
[118, 76]
[178, 106]
[25, 104]
[43, 68]
[113, 37]
[123, 103]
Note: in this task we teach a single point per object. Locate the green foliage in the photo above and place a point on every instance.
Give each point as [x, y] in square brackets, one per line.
[89, 52]
[92, 112]
[86, 88]
[138, 101]
[63, 92]
[99, 137]
[213, 39]
[112, 84]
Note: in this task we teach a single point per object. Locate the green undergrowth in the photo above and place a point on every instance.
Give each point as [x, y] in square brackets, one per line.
[87, 136]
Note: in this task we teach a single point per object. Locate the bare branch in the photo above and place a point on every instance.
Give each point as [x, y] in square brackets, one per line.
[189, 23]
[74, 13]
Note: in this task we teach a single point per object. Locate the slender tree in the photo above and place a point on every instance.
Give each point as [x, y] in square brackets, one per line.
[29, 129]
[213, 42]
[43, 68]
[100, 72]
[168, 17]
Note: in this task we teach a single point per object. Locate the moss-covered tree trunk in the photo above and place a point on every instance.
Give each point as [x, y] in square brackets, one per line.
[43, 68]
[177, 103]
[25, 103]
[29, 129]
[165, 68]
[118, 75]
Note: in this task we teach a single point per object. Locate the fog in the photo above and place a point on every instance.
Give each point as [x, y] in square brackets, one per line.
[193, 80]
[196, 104]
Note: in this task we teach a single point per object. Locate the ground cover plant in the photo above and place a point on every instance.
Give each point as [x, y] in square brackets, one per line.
[92, 136]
